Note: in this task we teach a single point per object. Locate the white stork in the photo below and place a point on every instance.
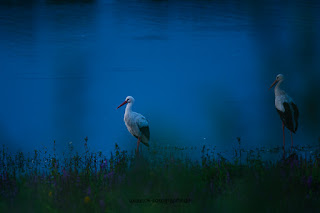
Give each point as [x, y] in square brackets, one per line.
[286, 108]
[136, 123]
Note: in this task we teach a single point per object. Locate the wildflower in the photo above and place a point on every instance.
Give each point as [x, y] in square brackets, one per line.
[50, 194]
[65, 175]
[89, 191]
[102, 204]
[309, 181]
[110, 174]
[86, 199]
[228, 177]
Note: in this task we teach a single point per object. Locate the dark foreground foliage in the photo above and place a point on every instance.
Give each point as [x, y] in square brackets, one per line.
[153, 182]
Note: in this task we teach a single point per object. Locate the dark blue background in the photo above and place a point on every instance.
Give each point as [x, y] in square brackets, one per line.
[199, 71]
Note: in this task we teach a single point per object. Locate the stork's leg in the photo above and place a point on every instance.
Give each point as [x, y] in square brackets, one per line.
[291, 141]
[284, 152]
[138, 144]
[140, 149]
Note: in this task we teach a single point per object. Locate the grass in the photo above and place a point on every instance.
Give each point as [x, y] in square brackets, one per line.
[159, 181]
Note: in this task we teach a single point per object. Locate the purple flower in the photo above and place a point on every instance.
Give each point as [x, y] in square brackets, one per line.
[64, 174]
[78, 181]
[110, 174]
[54, 183]
[89, 191]
[104, 165]
[102, 204]
[309, 181]
[228, 177]
[294, 163]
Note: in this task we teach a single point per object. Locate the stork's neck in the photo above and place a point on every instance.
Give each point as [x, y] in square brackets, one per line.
[128, 109]
[277, 90]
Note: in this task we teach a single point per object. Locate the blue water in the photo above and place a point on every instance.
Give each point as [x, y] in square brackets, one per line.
[199, 71]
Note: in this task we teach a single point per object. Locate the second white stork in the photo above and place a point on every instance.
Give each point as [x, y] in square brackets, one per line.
[286, 108]
[136, 123]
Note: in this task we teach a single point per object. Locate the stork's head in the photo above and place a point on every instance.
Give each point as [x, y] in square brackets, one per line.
[278, 78]
[129, 99]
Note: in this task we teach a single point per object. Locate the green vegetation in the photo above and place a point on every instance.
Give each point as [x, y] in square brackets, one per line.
[158, 180]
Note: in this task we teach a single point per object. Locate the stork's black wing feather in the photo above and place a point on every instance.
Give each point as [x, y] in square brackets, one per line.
[145, 135]
[295, 115]
[290, 116]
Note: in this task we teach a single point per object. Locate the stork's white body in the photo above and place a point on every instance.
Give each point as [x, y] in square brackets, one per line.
[136, 123]
[280, 98]
[286, 108]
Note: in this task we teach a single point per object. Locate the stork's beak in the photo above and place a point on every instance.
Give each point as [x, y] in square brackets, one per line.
[273, 83]
[122, 104]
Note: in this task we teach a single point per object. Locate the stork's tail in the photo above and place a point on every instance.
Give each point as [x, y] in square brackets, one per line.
[145, 136]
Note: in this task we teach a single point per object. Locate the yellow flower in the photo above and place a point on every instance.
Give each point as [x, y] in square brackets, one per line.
[86, 199]
[50, 194]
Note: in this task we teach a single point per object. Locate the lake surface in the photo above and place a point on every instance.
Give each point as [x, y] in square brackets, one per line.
[200, 71]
